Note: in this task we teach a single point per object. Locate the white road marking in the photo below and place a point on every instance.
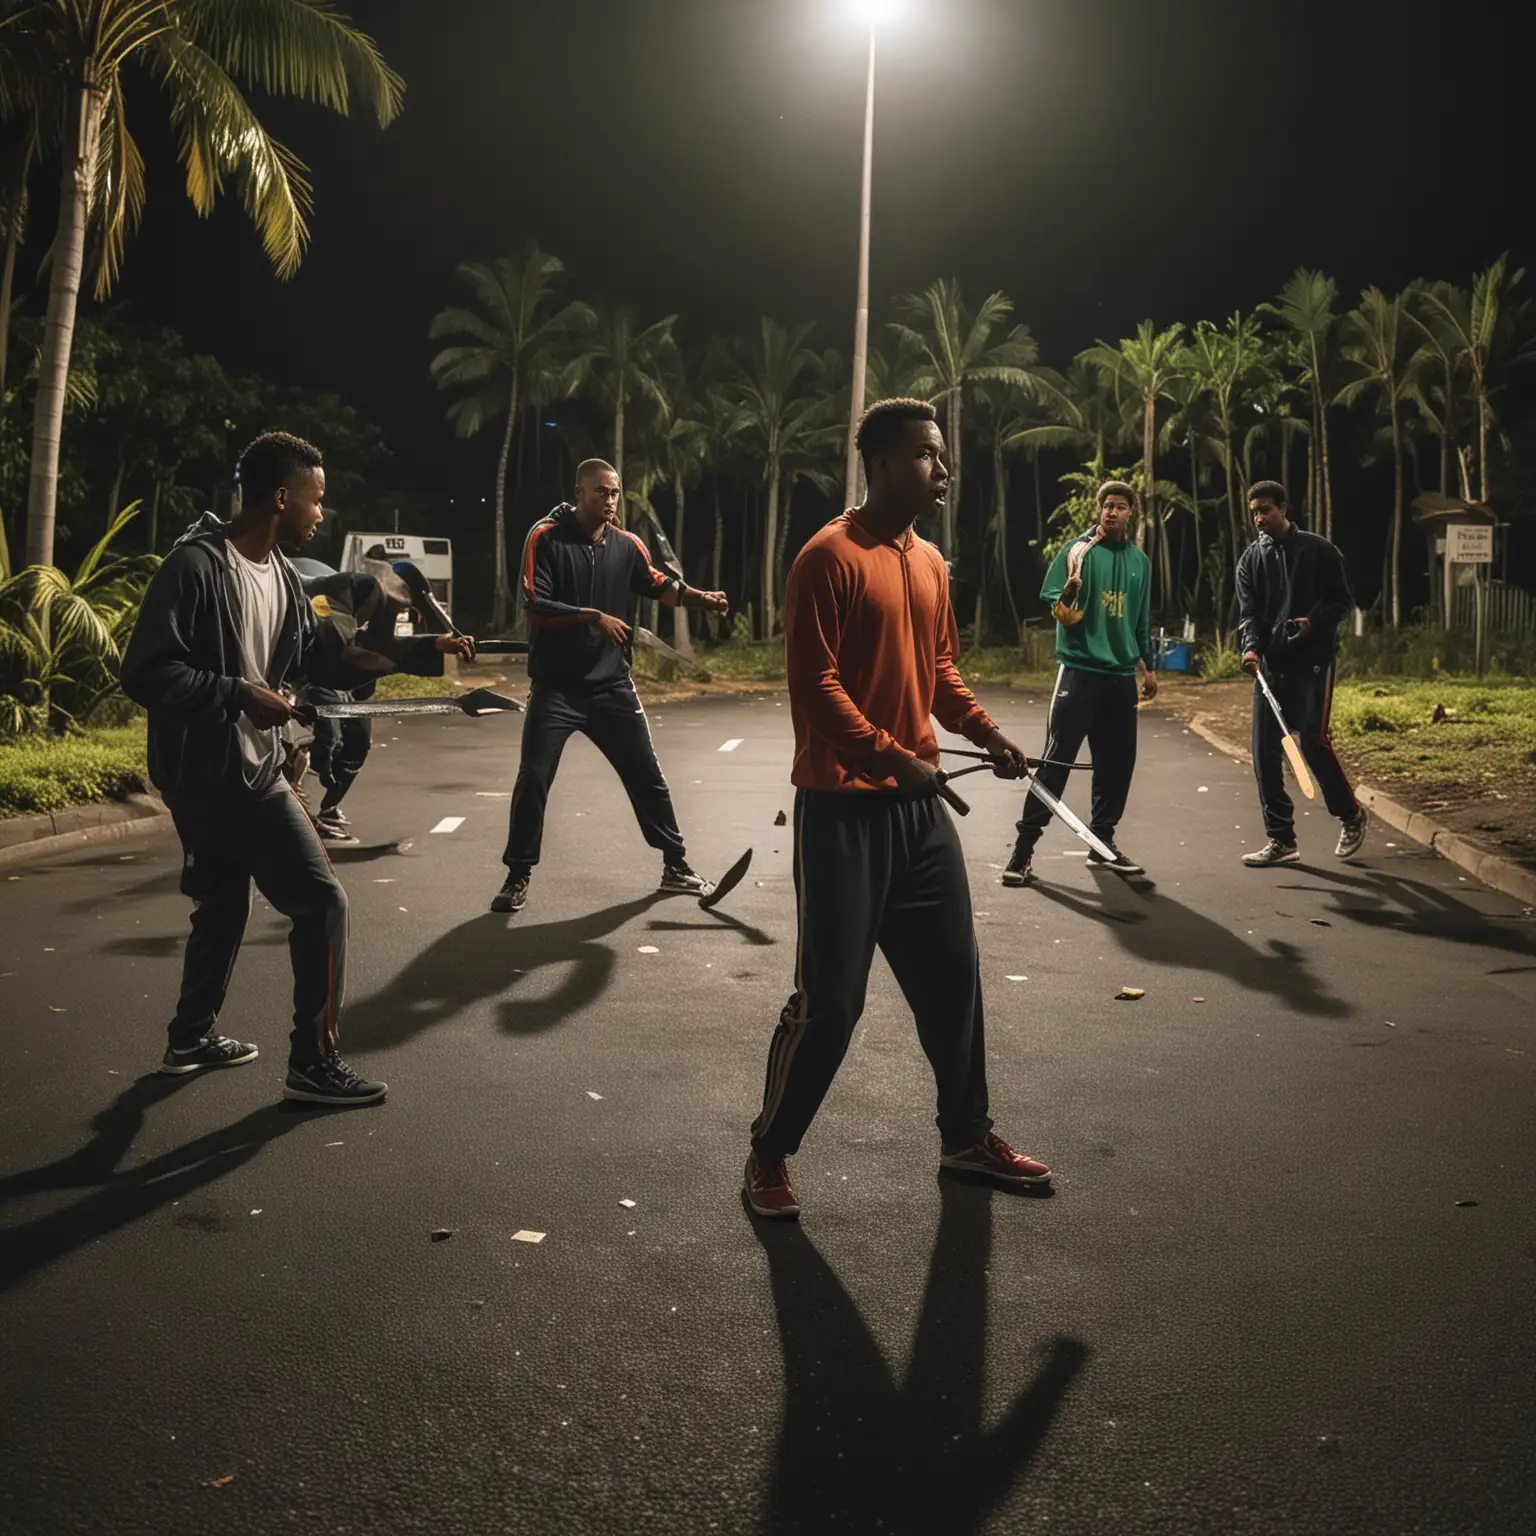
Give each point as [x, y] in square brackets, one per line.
[731, 745]
[493, 794]
[449, 824]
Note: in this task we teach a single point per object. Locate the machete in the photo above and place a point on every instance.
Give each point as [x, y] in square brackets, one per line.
[478, 701]
[1069, 819]
[728, 881]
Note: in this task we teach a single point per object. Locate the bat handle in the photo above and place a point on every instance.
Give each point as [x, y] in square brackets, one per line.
[956, 804]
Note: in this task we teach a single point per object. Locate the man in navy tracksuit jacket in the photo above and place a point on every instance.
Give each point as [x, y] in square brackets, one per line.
[581, 577]
[1293, 593]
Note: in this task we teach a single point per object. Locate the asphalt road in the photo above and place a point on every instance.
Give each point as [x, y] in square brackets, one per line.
[1285, 1283]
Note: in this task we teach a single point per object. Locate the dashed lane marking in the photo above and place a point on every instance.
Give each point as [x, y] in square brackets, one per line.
[731, 745]
[449, 824]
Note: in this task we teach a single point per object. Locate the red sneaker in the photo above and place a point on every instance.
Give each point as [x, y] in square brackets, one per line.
[766, 1186]
[993, 1157]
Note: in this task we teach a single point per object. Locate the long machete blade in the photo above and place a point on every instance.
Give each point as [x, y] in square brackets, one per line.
[728, 881]
[479, 701]
[1069, 818]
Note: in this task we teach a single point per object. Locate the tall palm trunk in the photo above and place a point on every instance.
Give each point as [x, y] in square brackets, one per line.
[1327, 478]
[1483, 491]
[154, 514]
[682, 636]
[1145, 529]
[715, 558]
[770, 548]
[951, 519]
[1397, 514]
[7, 289]
[76, 182]
[618, 451]
[1039, 504]
[502, 598]
[1000, 478]
[114, 496]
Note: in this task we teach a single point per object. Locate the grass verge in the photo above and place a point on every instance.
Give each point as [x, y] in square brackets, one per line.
[1451, 732]
[48, 773]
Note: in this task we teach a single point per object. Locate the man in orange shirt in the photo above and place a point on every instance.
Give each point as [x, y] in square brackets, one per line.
[870, 638]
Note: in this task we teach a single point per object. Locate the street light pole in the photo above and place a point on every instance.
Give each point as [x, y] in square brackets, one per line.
[861, 312]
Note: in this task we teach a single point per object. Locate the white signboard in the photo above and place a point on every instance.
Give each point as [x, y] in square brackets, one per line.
[1469, 544]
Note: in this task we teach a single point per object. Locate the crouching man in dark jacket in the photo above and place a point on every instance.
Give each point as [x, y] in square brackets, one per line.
[223, 625]
[1293, 593]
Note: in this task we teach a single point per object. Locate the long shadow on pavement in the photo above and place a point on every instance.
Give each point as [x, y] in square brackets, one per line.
[1377, 899]
[122, 1198]
[859, 1453]
[1163, 931]
[490, 956]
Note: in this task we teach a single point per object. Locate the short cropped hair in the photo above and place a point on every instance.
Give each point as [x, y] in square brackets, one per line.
[882, 425]
[1116, 488]
[270, 462]
[1268, 490]
[590, 468]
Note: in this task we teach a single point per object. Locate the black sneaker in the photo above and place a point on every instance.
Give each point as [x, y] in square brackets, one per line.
[330, 1082]
[335, 815]
[1020, 870]
[332, 831]
[1273, 852]
[1352, 835]
[679, 878]
[210, 1051]
[513, 895]
[1120, 864]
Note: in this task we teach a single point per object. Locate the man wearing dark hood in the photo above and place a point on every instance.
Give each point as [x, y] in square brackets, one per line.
[223, 625]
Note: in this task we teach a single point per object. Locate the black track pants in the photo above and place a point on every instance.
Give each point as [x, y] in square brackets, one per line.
[613, 719]
[1306, 699]
[226, 844]
[874, 869]
[1100, 709]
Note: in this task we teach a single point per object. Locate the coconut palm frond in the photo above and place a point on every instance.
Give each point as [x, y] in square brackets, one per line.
[220, 138]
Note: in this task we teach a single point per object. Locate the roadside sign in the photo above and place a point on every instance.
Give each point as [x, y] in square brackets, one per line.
[1469, 543]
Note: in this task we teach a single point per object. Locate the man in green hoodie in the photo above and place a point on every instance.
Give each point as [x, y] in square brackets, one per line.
[1100, 590]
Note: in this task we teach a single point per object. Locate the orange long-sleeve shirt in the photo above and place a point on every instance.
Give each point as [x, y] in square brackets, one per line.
[870, 639]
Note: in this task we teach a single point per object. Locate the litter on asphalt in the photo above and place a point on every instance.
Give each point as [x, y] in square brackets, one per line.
[523, 1235]
[1130, 994]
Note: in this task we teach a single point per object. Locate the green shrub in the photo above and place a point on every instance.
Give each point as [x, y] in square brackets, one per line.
[47, 773]
[1220, 661]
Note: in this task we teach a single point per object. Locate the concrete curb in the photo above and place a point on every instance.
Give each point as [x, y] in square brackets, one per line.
[1493, 869]
[24, 838]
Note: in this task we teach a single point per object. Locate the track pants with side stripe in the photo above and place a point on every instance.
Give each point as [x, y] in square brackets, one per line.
[1306, 697]
[877, 870]
[612, 718]
[226, 844]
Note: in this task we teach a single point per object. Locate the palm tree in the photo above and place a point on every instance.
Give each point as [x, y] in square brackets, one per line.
[1305, 308]
[511, 348]
[1377, 344]
[198, 53]
[779, 413]
[1144, 366]
[1440, 372]
[1224, 367]
[1487, 331]
[720, 420]
[957, 350]
[624, 362]
[681, 442]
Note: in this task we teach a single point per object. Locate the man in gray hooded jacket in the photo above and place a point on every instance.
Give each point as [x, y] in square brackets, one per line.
[223, 624]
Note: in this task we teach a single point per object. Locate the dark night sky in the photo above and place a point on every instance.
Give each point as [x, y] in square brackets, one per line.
[1099, 160]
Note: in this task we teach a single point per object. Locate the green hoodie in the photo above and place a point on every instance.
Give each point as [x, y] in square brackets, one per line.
[1115, 631]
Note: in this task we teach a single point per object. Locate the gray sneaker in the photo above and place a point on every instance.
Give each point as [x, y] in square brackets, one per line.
[210, 1051]
[684, 881]
[1352, 835]
[1273, 852]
